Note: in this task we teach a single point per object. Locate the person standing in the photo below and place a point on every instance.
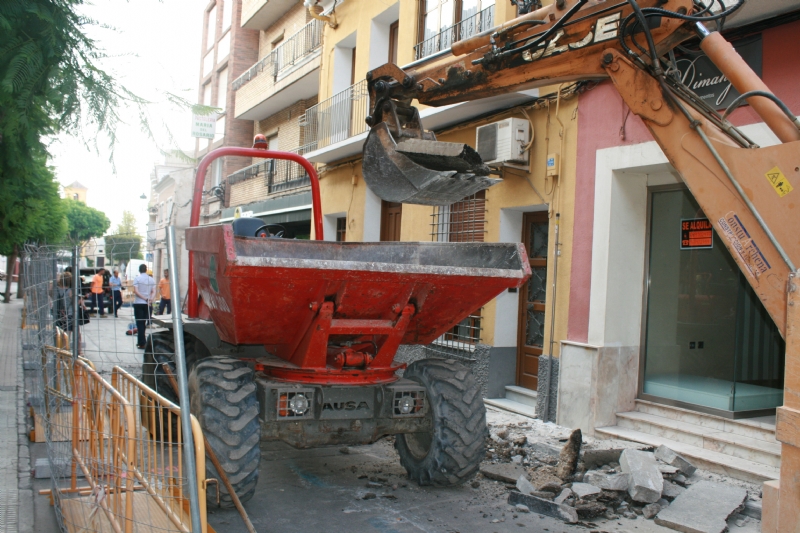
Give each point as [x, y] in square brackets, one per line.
[163, 289]
[97, 293]
[144, 290]
[116, 291]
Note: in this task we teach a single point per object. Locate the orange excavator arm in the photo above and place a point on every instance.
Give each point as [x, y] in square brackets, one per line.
[745, 190]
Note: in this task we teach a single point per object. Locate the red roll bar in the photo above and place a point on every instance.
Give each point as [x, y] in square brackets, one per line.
[197, 199]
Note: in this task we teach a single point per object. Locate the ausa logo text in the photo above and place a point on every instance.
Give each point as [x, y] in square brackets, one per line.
[345, 406]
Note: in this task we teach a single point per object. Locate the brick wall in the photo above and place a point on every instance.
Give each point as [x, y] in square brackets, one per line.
[285, 124]
[289, 24]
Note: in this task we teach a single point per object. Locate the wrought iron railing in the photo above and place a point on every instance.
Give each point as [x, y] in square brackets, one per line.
[483, 20]
[287, 54]
[280, 175]
[338, 118]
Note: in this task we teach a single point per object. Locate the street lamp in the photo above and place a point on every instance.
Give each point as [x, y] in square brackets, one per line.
[143, 197]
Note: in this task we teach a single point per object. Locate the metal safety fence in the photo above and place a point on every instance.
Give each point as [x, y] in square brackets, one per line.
[116, 450]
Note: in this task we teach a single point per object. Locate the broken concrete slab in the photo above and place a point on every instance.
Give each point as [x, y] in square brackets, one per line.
[617, 482]
[703, 508]
[667, 470]
[505, 472]
[525, 486]
[752, 509]
[668, 456]
[605, 452]
[545, 448]
[590, 509]
[672, 491]
[545, 507]
[584, 490]
[646, 482]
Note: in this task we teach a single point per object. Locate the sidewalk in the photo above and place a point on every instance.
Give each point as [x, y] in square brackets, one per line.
[16, 494]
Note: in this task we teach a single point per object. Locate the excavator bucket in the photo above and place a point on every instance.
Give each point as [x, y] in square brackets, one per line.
[421, 171]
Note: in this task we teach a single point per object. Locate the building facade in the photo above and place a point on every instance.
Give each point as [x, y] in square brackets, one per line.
[512, 339]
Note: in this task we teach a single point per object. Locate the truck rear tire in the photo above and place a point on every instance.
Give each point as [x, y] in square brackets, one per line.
[451, 453]
[223, 394]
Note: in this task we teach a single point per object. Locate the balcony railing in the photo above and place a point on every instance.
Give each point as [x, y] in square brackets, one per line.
[465, 29]
[287, 54]
[338, 118]
[280, 175]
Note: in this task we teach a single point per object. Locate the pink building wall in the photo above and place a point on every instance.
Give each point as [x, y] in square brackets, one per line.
[601, 116]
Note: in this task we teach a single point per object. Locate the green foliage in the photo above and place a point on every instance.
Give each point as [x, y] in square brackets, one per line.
[49, 83]
[126, 243]
[84, 222]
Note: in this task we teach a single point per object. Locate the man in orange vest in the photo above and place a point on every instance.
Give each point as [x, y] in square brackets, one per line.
[163, 289]
[97, 293]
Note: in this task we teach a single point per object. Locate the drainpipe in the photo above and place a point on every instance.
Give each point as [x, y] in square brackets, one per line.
[315, 11]
[549, 383]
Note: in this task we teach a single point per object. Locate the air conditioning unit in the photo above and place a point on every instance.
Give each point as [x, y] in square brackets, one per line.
[504, 141]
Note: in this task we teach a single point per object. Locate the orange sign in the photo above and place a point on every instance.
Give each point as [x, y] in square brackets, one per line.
[696, 233]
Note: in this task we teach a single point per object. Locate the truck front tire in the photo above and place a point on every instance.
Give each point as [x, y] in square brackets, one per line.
[451, 453]
[223, 395]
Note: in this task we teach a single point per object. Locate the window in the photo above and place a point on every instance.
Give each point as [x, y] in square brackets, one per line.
[222, 88]
[224, 47]
[75, 196]
[341, 229]
[220, 131]
[442, 22]
[207, 94]
[463, 221]
[272, 142]
[208, 63]
[227, 14]
[211, 28]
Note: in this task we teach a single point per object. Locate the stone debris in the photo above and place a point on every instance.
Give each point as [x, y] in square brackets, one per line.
[505, 472]
[570, 453]
[672, 491]
[651, 510]
[525, 486]
[545, 507]
[703, 508]
[618, 482]
[561, 498]
[545, 449]
[671, 458]
[646, 482]
[521, 508]
[667, 470]
[584, 490]
[587, 510]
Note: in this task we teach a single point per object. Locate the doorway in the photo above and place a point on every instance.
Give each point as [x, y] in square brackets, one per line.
[391, 219]
[709, 343]
[532, 301]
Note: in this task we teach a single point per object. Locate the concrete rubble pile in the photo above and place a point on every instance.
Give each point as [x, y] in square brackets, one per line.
[607, 480]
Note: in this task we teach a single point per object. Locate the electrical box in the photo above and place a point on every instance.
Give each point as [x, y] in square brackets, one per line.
[553, 165]
[504, 141]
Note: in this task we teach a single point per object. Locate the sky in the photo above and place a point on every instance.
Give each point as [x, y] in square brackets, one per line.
[153, 48]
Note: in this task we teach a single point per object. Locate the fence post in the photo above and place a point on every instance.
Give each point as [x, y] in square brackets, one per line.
[76, 287]
[183, 388]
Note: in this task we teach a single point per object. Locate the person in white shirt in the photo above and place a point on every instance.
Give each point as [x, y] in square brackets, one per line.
[144, 289]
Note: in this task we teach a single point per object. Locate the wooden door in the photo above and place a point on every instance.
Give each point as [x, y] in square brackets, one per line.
[391, 218]
[532, 300]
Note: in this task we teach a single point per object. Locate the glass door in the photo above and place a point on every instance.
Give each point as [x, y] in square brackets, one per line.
[708, 340]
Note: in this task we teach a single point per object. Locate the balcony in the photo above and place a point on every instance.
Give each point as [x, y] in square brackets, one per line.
[287, 74]
[465, 29]
[261, 14]
[335, 128]
[340, 117]
[280, 175]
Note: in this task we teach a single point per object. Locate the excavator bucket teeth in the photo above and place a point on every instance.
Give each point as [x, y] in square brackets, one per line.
[417, 171]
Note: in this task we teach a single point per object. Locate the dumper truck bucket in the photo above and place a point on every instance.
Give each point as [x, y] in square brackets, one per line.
[421, 171]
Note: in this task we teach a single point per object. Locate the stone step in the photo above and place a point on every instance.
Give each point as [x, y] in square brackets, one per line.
[744, 427]
[710, 460]
[521, 395]
[505, 404]
[757, 450]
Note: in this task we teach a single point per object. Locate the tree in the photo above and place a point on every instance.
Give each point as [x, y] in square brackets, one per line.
[84, 222]
[126, 243]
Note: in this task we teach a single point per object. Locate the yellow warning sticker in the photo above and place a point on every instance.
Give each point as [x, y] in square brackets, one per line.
[779, 182]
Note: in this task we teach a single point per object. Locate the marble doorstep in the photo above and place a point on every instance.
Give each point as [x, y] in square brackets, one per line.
[510, 405]
[710, 460]
[756, 428]
[744, 447]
